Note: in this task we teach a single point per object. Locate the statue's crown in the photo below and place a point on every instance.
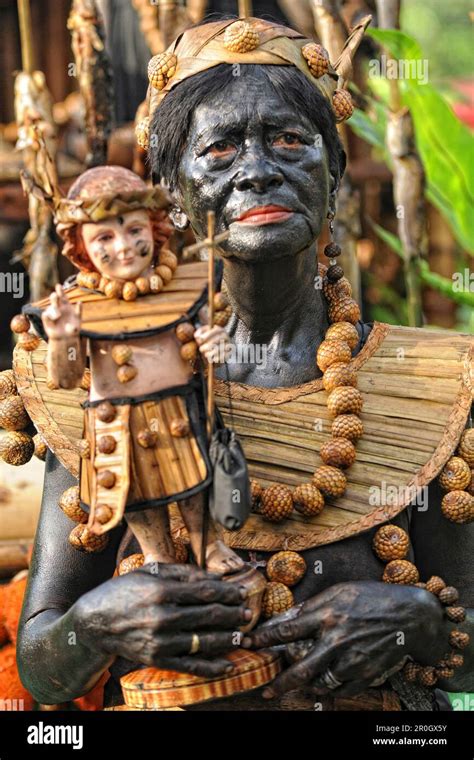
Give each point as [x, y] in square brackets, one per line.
[250, 40]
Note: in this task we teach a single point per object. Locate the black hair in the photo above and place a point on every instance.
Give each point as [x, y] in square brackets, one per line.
[172, 119]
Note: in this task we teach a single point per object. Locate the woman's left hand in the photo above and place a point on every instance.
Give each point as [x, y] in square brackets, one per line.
[361, 631]
[213, 343]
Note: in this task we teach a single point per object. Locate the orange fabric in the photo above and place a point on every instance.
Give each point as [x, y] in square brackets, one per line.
[94, 700]
[3, 630]
[13, 600]
[10, 684]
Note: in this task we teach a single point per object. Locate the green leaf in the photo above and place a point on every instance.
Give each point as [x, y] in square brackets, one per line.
[366, 128]
[399, 44]
[389, 238]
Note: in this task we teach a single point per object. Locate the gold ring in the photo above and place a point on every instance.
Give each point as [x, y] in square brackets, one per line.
[194, 644]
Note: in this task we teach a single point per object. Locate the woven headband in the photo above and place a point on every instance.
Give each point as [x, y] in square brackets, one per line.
[244, 41]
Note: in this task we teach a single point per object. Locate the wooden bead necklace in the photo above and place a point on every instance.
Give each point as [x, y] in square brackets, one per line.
[152, 282]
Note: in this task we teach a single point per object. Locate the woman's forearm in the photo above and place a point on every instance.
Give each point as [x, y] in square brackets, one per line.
[54, 665]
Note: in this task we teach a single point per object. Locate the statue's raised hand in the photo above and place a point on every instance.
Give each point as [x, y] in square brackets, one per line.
[154, 617]
[61, 319]
[361, 631]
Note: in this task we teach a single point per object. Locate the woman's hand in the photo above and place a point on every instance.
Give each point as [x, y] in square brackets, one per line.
[361, 631]
[61, 319]
[154, 618]
[213, 343]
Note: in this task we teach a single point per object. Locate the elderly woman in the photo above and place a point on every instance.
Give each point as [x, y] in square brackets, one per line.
[242, 123]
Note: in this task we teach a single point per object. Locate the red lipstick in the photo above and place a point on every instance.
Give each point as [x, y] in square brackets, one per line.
[265, 215]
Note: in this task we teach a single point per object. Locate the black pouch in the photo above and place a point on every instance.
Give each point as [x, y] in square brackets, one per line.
[229, 496]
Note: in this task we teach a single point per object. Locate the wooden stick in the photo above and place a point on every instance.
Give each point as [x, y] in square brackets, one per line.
[24, 17]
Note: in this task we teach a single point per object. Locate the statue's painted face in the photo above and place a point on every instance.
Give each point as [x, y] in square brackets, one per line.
[120, 247]
[260, 166]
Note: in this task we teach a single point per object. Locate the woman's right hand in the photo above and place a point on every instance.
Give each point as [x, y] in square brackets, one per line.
[150, 618]
[61, 319]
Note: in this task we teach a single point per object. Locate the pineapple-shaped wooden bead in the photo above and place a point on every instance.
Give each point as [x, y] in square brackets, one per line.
[339, 374]
[335, 291]
[344, 331]
[222, 316]
[391, 542]
[317, 59]
[344, 400]
[332, 352]
[220, 301]
[338, 452]
[445, 672]
[435, 584]
[410, 671]
[455, 660]
[164, 272]
[347, 426]
[89, 280]
[277, 598]
[456, 614]
[113, 289]
[84, 540]
[459, 640]
[342, 105]
[28, 341]
[240, 37]
[13, 415]
[448, 595]
[143, 285]
[458, 507]
[70, 503]
[344, 310]
[185, 332]
[466, 447]
[161, 68]
[132, 562]
[169, 259]
[189, 351]
[456, 475]
[7, 384]
[334, 273]
[129, 291]
[142, 133]
[427, 676]
[41, 447]
[330, 480]
[277, 503]
[308, 500]
[401, 571]
[16, 448]
[286, 567]
[126, 373]
[121, 354]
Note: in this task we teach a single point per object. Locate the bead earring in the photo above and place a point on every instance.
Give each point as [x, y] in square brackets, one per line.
[178, 218]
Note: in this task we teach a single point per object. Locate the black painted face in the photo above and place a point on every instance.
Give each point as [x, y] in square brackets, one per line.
[248, 151]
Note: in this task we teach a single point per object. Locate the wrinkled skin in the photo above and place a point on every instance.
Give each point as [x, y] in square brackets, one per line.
[269, 271]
